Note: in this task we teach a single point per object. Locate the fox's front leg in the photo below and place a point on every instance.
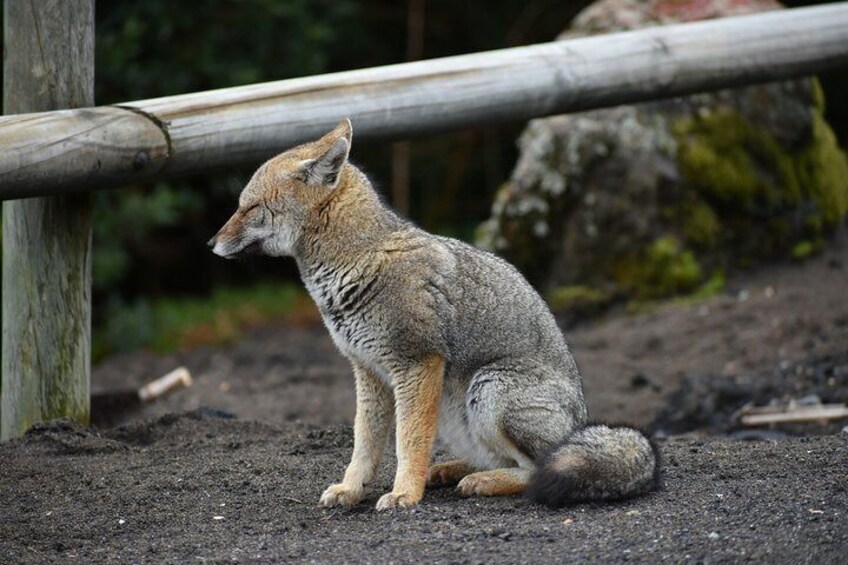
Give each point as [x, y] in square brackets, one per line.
[374, 411]
[418, 393]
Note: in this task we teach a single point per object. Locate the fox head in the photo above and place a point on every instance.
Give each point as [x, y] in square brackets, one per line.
[277, 202]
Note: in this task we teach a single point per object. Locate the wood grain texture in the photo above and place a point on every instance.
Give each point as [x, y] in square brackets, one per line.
[239, 125]
[48, 64]
[79, 151]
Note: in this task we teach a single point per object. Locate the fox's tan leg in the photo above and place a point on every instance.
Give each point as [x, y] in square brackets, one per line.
[418, 393]
[448, 473]
[497, 482]
[374, 410]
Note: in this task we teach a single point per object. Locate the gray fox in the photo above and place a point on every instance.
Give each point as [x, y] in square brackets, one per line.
[442, 336]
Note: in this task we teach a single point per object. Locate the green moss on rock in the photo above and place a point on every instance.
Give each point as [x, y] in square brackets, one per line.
[818, 95]
[665, 268]
[822, 170]
[579, 298]
[724, 157]
[700, 224]
[767, 198]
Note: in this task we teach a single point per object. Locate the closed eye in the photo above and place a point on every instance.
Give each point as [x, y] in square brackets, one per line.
[268, 209]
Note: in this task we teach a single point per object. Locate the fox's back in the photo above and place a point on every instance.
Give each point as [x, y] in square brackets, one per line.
[481, 309]
[497, 316]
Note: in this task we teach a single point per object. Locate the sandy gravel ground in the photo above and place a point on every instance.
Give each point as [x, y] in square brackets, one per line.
[231, 468]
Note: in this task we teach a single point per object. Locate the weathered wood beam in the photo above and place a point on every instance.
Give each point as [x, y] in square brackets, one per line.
[107, 147]
[48, 64]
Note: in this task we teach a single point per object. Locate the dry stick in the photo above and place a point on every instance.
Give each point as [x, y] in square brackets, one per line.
[805, 414]
[178, 378]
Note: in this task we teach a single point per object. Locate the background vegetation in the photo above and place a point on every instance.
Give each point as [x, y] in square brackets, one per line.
[154, 280]
[149, 253]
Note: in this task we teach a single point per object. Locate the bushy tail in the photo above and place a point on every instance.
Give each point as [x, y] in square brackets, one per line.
[597, 462]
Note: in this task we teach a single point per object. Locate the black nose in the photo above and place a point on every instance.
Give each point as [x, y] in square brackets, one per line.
[213, 241]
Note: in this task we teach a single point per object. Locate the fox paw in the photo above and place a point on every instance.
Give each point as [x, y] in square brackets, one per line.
[341, 495]
[478, 484]
[392, 500]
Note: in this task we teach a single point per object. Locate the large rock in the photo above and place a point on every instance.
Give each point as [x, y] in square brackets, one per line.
[659, 198]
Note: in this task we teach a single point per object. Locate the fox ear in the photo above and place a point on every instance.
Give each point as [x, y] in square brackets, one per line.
[326, 169]
[343, 129]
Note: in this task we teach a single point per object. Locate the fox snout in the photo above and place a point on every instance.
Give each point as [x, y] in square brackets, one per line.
[230, 241]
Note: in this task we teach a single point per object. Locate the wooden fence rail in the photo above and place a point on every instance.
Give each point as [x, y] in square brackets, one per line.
[73, 150]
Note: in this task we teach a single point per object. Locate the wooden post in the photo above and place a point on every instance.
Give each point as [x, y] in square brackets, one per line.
[48, 65]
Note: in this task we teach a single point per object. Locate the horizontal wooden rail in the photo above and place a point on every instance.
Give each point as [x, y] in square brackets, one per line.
[54, 152]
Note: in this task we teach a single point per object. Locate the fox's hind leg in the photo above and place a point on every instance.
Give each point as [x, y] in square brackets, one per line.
[516, 418]
[449, 473]
[497, 482]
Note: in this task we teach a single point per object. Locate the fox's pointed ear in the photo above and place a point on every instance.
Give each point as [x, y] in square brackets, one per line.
[343, 129]
[326, 169]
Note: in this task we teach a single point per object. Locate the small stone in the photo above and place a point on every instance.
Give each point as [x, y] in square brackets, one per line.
[713, 535]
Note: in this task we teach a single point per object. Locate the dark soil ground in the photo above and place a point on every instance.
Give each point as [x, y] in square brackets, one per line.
[195, 487]
[231, 469]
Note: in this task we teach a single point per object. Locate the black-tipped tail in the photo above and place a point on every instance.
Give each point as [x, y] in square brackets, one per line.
[597, 462]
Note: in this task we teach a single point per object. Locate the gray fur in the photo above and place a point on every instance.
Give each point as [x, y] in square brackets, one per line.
[597, 462]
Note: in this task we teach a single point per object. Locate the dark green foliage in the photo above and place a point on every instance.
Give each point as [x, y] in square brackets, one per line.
[149, 240]
[157, 48]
